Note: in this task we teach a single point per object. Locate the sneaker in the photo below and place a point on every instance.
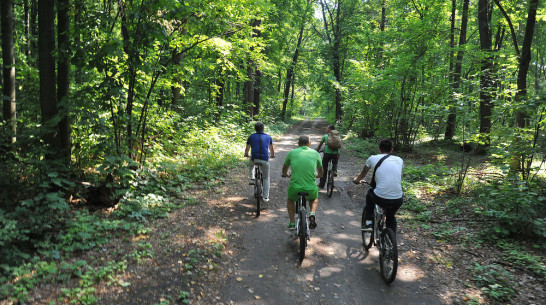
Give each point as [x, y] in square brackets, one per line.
[292, 226]
[251, 182]
[266, 200]
[335, 173]
[368, 226]
[321, 186]
[312, 223]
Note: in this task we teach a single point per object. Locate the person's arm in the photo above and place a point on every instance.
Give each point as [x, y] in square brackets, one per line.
[319, 145]
[320, 171]
[272, 151]
[247, 149]
[362, 174]
[285, 170]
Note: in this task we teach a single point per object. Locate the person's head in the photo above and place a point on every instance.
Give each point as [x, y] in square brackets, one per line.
[259, 127]
[304, 141]
[330, 128]
[385, 146]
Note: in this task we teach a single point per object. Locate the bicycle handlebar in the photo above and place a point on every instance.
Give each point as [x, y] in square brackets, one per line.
[362, 182]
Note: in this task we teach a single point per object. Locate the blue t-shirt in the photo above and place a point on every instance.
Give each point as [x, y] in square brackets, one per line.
[259, 146]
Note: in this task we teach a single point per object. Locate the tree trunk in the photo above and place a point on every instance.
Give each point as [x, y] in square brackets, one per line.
[248, 90]
[486, 83]
[176, 90]
[46, 64]
[525, 59]
[26, 17]
[456, 84]
[127, 48]
[257, 91]
[290, 72]
[8, 57]
[63, 78]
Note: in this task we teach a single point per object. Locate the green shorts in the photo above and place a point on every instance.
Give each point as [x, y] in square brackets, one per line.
[293, 194]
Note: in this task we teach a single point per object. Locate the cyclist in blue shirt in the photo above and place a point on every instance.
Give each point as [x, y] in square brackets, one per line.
[260, 145]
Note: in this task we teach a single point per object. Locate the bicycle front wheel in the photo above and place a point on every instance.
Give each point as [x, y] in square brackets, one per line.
[388, 255]
[330, 184]
[302, 234]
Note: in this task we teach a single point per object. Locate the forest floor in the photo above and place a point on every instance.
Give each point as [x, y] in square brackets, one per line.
[216, 251]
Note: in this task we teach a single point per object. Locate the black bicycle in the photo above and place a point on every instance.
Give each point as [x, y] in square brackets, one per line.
[302, 225]
[385, 241]
[330, 179]
[258, 187]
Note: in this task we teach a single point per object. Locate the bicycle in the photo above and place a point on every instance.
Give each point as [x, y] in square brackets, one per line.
[258, 187]
[385, 241]
[329, 178]
[302, 225]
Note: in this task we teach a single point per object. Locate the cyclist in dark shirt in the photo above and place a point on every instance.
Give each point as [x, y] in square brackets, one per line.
[260, 145]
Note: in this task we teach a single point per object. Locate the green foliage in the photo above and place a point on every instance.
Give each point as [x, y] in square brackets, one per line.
[534, 264]
[518, 206]
[495, 281]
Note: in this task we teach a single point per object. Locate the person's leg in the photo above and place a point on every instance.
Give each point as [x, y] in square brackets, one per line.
[335, 159]
[370, 205]
[313, 205]
[391, 207]
[265, 174]
[325, 160]
[291, 206]
[251, 169]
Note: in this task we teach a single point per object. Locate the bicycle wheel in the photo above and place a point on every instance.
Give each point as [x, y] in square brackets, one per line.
[330, 184]
[259, 197]
[388, 255]
[302, 234]
[367, 236]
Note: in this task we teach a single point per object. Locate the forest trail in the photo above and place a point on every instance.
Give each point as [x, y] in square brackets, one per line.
[336, 269]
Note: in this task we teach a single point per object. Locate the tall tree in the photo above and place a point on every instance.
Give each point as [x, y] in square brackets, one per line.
[8, 57]
[486, 80]
[456, 81]
[46, 64]
[63, 77]
[524, 60]
[290, 70]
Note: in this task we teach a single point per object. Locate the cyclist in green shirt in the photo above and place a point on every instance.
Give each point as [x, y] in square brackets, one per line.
[305, 162]
[330, 155]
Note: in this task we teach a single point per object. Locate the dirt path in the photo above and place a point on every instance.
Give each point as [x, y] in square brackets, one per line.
[336, 270]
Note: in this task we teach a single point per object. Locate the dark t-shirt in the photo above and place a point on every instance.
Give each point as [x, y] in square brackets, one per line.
[259, 146]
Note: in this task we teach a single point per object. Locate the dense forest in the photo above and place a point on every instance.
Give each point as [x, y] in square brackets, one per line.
[126, 104]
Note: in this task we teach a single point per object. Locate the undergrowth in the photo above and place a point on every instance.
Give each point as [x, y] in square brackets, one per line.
[41, 233]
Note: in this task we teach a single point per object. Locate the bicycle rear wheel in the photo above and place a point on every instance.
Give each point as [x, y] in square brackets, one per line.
[259, 196]
[302, 233]
[330, 184]
[367, 236]
[388, 255]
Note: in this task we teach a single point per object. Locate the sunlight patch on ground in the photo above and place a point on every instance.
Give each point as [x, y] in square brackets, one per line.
[234, 198]
[329, 271]
[409, 273]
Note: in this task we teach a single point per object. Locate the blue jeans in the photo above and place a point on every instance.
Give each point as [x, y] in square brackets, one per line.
[390, 206]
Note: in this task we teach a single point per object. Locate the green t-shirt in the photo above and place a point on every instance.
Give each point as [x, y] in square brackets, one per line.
[304, 162]
[327, 149]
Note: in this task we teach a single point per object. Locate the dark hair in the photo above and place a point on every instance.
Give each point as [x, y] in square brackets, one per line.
[385, 146]
[331, 127]
[303, 140]
[259, 127]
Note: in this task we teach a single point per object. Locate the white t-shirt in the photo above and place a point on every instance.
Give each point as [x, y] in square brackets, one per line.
[388, 177]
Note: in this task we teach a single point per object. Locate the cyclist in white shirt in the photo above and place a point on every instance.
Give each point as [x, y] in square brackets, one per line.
[388, 190]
